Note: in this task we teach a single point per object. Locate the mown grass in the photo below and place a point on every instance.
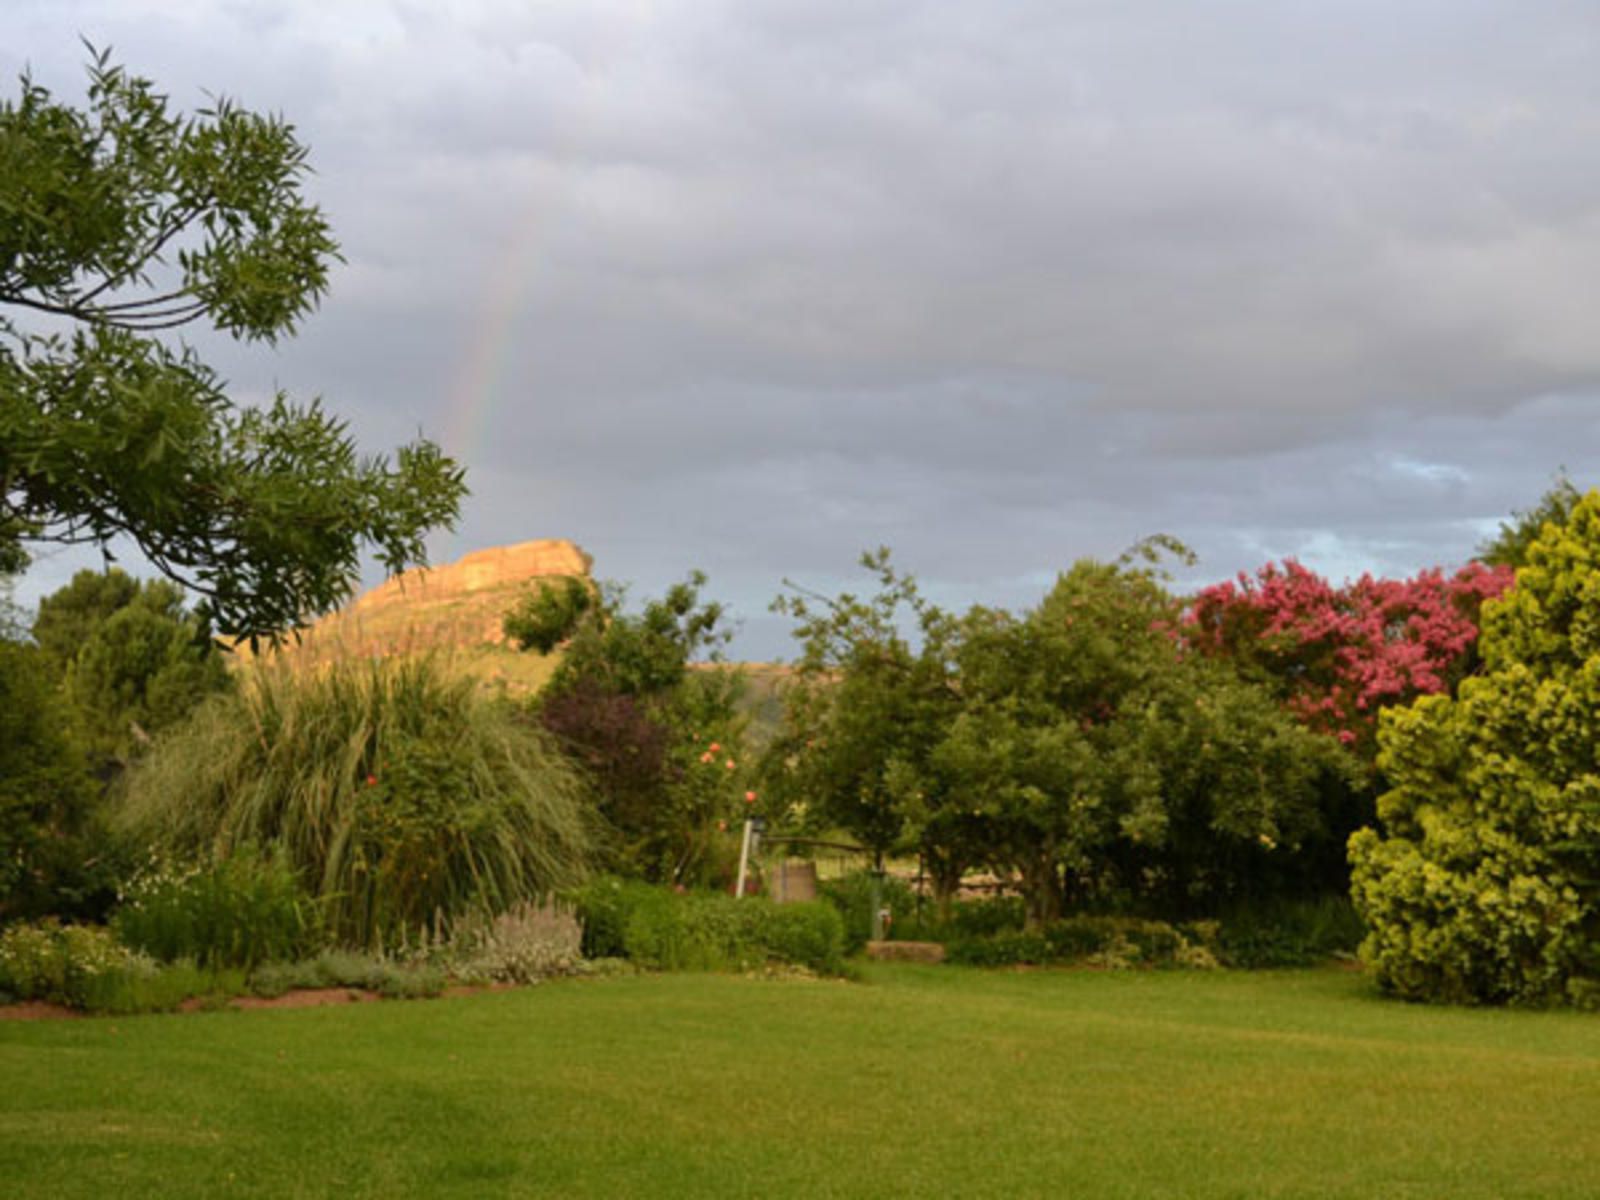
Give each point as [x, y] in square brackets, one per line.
[921, 1081]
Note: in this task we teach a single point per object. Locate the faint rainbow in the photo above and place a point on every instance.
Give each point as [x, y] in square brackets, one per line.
[480, 383]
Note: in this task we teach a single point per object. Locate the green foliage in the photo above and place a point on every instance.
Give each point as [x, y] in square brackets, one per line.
[1104, 764]
[348, 969]
[706, 931]
[852, 895]
[1004, 948]
[806, 935]
[235, 913]
[399, 796]
[142, 986]
[644, 654]
[124, 220]
[978, 918]
[1289, 932]
[1509, 547]
[1484, 886]
[52, 857]
[550, 613]
[868, 702]
[57, 963]
[603, 906]
[70, 616]
[653, 737]
[1115, 942]
[1078, 745]
[133, 662]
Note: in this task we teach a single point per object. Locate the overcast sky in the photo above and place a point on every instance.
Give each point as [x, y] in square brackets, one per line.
[752, 286]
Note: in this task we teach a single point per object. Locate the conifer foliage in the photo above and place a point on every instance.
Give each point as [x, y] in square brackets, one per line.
[1484, 886]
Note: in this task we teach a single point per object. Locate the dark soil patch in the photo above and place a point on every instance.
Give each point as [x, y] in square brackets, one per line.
[37, 1010]
[299, 998]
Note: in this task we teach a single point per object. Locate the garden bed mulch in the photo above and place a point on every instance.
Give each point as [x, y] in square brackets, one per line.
[38, 1010]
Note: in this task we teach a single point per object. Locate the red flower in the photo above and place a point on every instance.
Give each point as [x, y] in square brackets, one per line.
[372, 781]
[749, 797]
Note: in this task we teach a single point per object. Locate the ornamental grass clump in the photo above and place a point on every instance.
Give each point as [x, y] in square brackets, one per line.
[400, 797]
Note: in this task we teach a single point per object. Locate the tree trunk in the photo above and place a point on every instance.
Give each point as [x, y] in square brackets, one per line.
[1041, 886]
[944, 871]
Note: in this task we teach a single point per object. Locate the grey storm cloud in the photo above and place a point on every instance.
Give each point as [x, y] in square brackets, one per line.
[999, 285]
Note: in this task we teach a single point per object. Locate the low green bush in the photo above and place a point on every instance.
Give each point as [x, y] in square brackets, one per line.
[979, 918]
[694, 932]
[1007, 948]
[705, 931]
[56, 963]
[603, 907]
[1102, 941]
[238, 912]
[145, 987]
[1290, 933]
[852, 896]
[807, 935]
[349, 969]
[85, 967]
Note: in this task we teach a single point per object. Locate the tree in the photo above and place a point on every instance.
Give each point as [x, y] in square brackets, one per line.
[865, 706]
[624, 703]
[1509, 547]
[68, 618]
[1080, 746]
[129, 657]
[1484, 884]
[1109, 764]
[119, 223]
[46, 794]
[1338, 655]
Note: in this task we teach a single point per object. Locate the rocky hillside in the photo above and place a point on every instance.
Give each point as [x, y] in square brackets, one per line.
[454, 610]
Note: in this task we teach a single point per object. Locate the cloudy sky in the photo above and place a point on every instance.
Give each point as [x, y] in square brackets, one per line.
[751, 286]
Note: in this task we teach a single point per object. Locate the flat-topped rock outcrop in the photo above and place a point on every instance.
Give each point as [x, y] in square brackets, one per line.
[456, 606]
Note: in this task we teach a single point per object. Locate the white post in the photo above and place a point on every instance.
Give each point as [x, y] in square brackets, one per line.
[744, 861]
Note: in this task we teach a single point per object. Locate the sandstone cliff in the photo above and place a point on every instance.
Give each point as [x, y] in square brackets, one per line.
[453, 608]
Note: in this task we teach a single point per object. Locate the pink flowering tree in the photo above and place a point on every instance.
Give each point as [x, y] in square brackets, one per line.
[1338, 655]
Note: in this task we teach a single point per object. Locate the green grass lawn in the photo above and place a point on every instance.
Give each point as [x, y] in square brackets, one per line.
[919, 1082]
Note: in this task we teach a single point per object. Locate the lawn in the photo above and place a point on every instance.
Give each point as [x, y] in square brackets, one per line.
[918, 1082]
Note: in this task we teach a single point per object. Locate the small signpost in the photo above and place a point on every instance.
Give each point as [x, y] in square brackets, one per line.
[754, 827]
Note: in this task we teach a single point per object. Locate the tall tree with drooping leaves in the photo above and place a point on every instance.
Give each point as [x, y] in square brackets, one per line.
[122, 221]
[1483, 885]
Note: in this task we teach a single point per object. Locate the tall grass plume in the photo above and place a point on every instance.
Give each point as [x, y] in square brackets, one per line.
[399, 795]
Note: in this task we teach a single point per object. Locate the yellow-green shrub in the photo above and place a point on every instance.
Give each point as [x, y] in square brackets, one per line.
[1482, 889]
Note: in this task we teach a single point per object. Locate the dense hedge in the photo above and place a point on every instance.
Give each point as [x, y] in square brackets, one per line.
[1104, 941]
[666, 930]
